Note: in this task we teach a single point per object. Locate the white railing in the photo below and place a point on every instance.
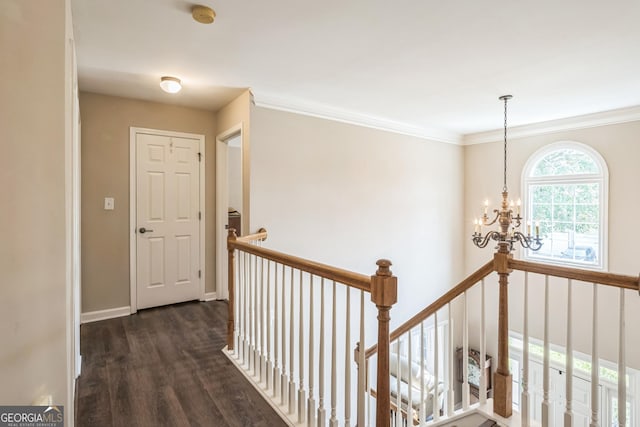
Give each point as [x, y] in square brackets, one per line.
[293, 328]
[298, 323]
[421, 377]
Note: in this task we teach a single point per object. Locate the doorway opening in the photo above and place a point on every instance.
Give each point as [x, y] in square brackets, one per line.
[230, 209]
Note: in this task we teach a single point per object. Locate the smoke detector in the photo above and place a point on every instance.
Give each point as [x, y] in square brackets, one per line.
[203, 14]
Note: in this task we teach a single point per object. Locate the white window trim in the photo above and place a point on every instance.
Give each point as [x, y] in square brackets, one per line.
[603, 179]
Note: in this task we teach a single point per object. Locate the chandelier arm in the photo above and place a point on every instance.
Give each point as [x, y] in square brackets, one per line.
[518, 221]
[486, 218]
[533, 243]
[482, 242]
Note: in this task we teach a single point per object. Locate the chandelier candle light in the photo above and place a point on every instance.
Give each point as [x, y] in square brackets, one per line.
[508, 220]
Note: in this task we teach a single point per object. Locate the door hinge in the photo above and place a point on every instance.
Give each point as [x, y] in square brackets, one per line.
[199, 274]
[200, 216]
[199, 157]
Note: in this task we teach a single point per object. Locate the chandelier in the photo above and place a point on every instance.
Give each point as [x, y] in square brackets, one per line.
[508, 222]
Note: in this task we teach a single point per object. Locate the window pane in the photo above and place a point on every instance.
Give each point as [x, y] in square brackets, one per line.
[565, 162]
[569, 221]
[614, 412]
[586, 193]
[563, 193]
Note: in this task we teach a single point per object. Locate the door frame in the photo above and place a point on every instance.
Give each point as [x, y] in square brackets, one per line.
[222, 195]
[133, 199]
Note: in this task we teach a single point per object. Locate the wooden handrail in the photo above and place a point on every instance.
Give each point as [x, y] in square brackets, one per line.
[602, 278]
[354, 280]
[260, 235]
[474, 278]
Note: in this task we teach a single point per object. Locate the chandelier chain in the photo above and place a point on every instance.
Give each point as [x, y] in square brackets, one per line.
[504, 186]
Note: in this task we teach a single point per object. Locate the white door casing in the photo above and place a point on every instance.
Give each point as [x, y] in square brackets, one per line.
[167, 259]
[222, 205]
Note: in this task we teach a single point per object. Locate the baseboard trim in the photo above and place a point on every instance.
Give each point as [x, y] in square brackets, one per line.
[110, 313]
[210, 296]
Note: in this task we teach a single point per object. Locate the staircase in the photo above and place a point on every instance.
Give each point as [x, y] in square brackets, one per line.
[297, 330]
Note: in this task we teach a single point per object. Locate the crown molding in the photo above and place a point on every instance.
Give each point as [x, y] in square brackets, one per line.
[622, 115]
[344, 116]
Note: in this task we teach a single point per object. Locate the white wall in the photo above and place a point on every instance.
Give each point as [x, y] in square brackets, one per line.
[35, 133]
[620, 147]
[347, 196]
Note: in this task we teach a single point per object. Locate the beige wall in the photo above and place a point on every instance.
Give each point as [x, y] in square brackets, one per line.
[105, 172]
[356, 195]
[33, 255]
[620, 147]
[238, 112]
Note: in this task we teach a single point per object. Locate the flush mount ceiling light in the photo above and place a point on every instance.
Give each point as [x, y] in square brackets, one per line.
[170, 84]
[203, 14]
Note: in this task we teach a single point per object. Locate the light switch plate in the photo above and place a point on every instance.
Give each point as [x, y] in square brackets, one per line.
[109, 204]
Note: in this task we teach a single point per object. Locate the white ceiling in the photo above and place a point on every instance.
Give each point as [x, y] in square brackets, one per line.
[433, 66]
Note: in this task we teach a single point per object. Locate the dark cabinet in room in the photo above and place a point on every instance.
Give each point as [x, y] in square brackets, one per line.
[235, 222]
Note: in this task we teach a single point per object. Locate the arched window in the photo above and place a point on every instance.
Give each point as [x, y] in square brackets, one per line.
[565, 188]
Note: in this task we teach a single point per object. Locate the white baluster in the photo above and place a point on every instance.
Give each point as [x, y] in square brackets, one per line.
[622, 367]
[268, 362]
[436, 369]
[276, 326]
[367, 387]
[398, 386]
[252, 347]
[238, 302]
[465, 353]
[311, 403]
[333, 421]
[545, 369]
[568, 414]
[301, 392]
[261, 322]
[361, 371]
[451, 353]
[524, 405]
[423, 407]
[347, 363]
[595, 363]
[284, 380]
[292, 384]
[322, 413]
[247, 309]
[256, 343]
[483, 347]
[410, 383]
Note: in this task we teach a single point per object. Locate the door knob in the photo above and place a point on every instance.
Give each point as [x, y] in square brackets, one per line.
[145, 230]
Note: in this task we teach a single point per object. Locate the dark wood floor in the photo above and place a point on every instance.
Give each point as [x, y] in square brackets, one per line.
[164, 367]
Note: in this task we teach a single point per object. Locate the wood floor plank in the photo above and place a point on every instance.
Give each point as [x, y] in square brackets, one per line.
[164, 367]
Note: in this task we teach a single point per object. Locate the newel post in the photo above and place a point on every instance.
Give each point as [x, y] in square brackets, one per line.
[384, 293]
[502, 394]
[231, 237]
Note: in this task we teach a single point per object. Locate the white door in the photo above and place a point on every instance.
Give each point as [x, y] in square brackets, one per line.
[581, 405]
[167, 220]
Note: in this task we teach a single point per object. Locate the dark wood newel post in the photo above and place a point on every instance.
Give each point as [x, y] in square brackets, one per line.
[502, 397]
[231, 237]
[384, 293]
